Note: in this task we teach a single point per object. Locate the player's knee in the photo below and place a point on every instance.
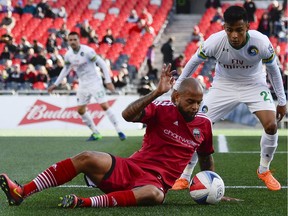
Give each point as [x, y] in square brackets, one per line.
[82, 159]
[156, 196]
[271, 128]
[81, 111]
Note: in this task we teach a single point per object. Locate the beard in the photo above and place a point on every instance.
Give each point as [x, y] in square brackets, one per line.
[187, 116]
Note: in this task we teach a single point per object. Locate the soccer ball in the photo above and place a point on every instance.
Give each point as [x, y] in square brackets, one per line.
[207, 187]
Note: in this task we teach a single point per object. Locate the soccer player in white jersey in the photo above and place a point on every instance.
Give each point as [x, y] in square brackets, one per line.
[83, 59]
[239, 78]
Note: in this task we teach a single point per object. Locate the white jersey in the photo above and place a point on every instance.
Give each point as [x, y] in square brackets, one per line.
[83, 62]
[242, 65]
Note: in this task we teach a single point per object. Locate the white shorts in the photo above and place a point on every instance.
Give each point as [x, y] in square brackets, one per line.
[224, 96]
[84, 95]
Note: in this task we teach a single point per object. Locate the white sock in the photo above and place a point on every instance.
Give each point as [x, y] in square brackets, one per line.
[86, 118]
[190, 167]
[268, 146]
[113, 120]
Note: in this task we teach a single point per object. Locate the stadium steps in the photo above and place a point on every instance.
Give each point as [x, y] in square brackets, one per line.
[180, 27]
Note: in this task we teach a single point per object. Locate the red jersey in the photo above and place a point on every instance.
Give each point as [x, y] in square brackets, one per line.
[170, 141]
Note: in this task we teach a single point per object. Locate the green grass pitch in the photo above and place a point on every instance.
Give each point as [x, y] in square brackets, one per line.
[23, 157]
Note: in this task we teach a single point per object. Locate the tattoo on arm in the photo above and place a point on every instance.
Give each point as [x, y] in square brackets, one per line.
[135, 110]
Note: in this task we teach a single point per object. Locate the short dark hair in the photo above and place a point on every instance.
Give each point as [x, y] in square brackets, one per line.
[74, 33]
[234, 14]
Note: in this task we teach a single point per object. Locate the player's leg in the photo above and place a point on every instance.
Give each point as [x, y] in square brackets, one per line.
[144, 195]
[83, 99]
[95, 164]
[268, 144]
[100, 97]
[259, 101]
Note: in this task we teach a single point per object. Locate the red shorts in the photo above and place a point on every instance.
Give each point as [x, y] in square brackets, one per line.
[126, 175]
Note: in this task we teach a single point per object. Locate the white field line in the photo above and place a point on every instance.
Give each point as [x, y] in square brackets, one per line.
[252, 152]
[222, 144]
[232, 187]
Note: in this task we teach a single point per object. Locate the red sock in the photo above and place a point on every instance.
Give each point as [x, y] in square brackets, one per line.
[118, 198]
[57, 174]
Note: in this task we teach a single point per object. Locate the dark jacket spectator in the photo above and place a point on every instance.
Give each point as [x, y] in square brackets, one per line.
[30, 8]
[8, 22]
[108, 38]
[167, 51]
[85, 29]
[264, 26]
[250, 7]
[212, 3]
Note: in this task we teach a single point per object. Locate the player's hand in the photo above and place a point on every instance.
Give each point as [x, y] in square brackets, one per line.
[51, 88]
[166, 80]
[280, 112]
[110, 86]
[230, 199]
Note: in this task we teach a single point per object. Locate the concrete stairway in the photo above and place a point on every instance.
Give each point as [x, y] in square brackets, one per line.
[180, 27]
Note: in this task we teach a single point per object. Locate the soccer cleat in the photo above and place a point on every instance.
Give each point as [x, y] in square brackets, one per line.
[121, 136]
[94, 137]
[70, 201]
[180, 184]
[269, 180]
[13, 191]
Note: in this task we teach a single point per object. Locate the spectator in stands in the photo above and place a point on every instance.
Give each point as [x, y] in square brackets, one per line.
[42, 7]
[64, 85]
[250, 7]
[218, 17]
[146, 16]
[50, 13]
[54, 72]
[4, 8]
[51, 43]
[62, 13]
[30, 8]
[168, 51]
[42, 75]
[3, 77]
[275, 14]
[139, 28]
[122, 79]
[133, 17]
[40, 59]
[178, 64]
[63, 31]
[197, 36]
[30, 74]
[150, 56]
[8, 66]
[37, 46]
[93, 37]
[264, 25]
[18, 7]
[108, 38]
[22, 48]
[212, 3]
[6, 37]
[85, 29]
[12, 46]
[5, 55]
[17, 75]
[8, 22]
[55, 56]
[30, 58]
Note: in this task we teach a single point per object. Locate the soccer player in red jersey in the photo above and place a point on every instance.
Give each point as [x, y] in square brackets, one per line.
[174, 132]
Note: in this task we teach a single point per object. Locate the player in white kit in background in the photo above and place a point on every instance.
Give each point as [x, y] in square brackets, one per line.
[83, 59]
[239, 78]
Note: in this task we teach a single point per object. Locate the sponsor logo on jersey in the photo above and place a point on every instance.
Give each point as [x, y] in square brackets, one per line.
[176, 123]
[42, 111]
[196, 133]
[179, 138]
[205, 109]
[253, 50]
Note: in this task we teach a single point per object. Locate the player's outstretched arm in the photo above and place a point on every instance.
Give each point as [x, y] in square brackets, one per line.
[134, 111]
